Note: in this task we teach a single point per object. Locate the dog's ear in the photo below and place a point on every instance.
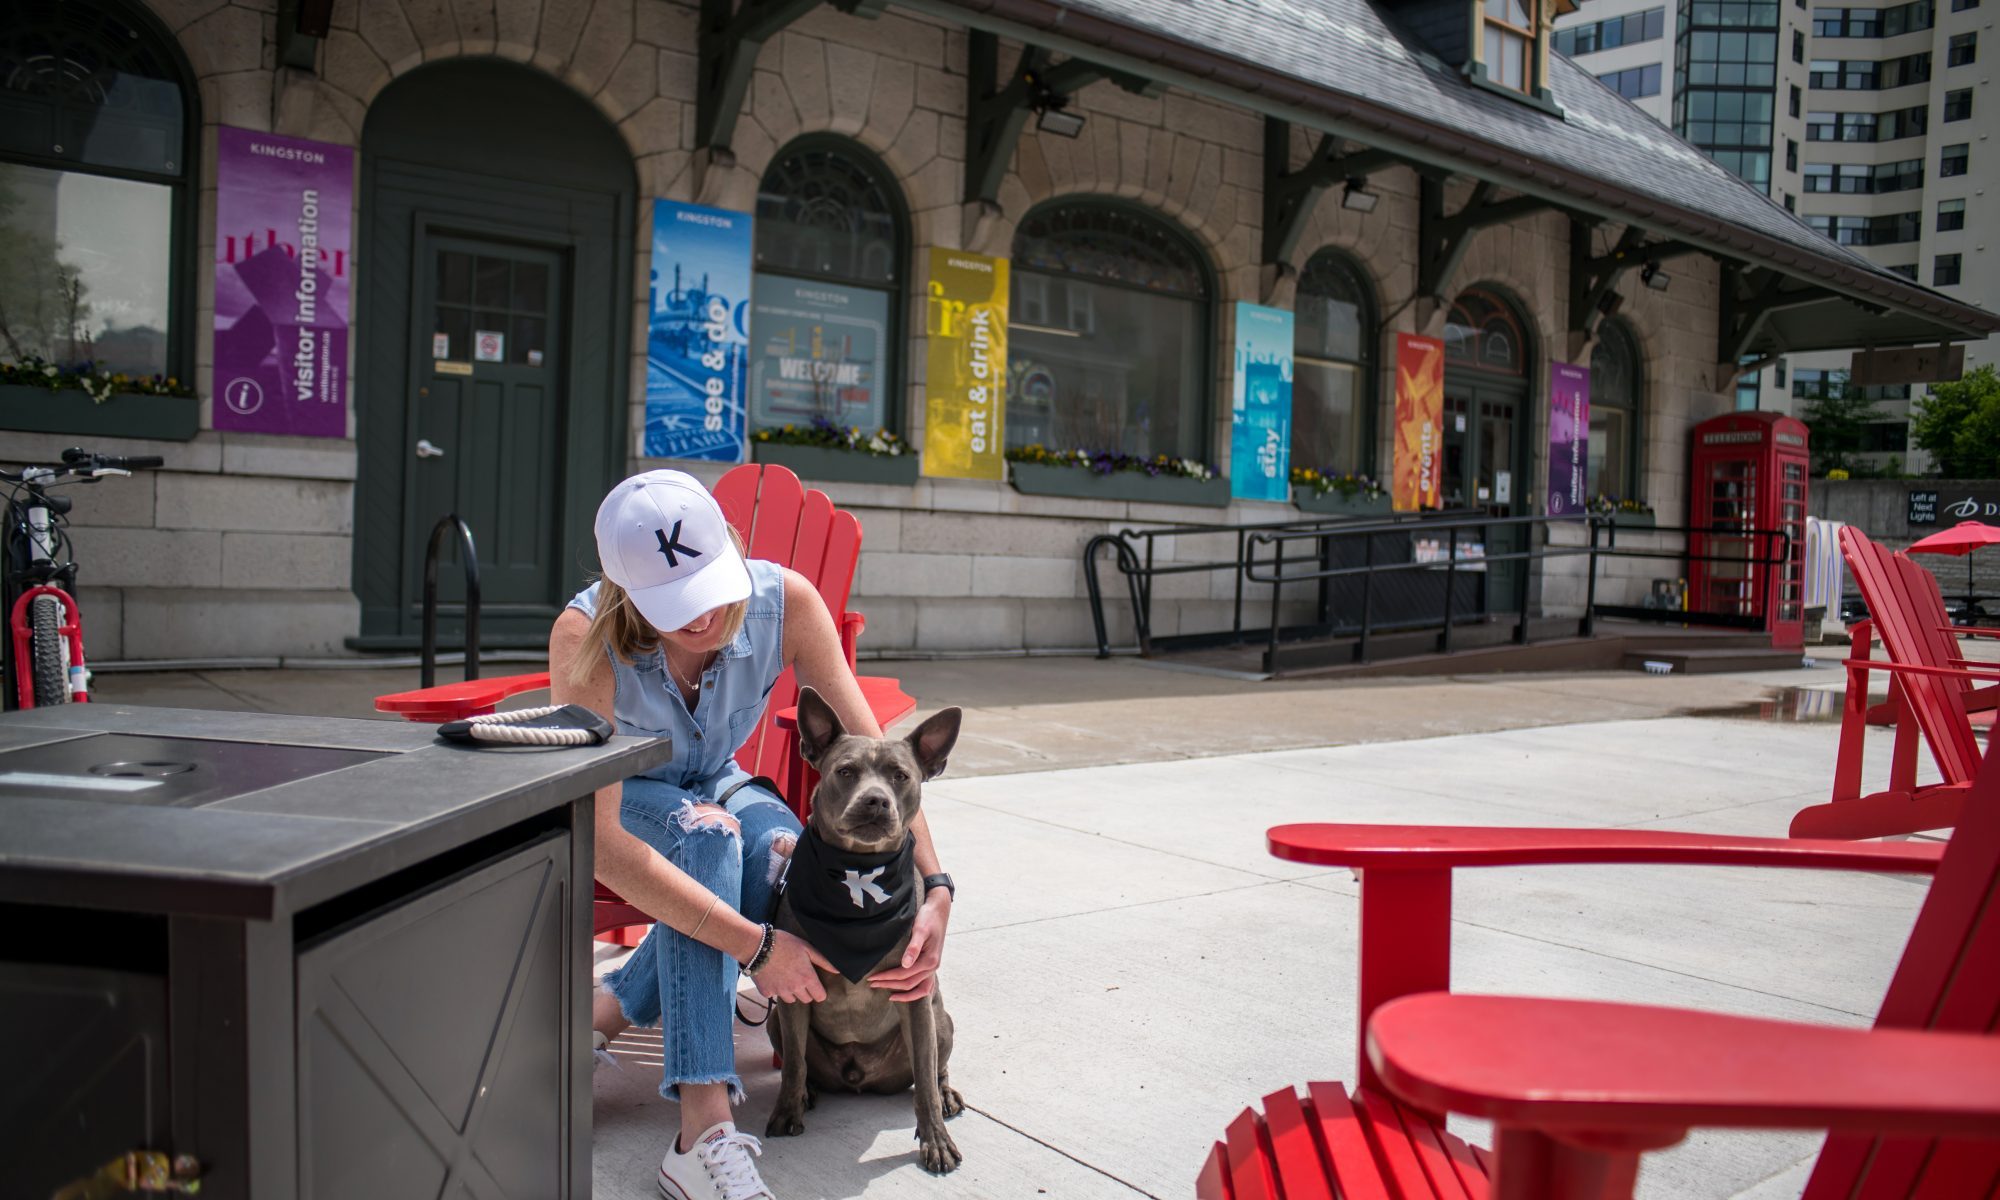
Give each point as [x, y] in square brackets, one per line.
[819, 726]
[932, 741]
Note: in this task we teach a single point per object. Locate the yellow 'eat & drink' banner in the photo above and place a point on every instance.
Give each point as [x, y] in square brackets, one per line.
[965, 390]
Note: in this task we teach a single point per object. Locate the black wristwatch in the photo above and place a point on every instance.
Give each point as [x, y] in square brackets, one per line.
[939, 880]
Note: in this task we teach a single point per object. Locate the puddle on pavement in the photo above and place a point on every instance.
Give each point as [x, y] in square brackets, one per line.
[1793, 705]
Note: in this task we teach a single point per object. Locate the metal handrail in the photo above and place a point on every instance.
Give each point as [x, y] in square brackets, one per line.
[428, 668]
[1279, 569]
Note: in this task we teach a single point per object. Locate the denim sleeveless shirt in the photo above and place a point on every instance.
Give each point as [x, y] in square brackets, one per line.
[733, 689]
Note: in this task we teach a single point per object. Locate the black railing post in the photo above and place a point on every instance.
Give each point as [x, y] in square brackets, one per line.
[1367, 593]
[1450, 586]
[1242, 569]
[1277, 587]
[427, 671]
[1588, 626]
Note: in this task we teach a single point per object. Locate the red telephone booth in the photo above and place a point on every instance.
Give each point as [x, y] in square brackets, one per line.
[1749, 475]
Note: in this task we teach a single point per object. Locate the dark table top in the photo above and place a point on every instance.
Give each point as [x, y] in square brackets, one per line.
[256, 815]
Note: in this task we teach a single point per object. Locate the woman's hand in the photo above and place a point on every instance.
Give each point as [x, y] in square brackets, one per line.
[917, 977]
[789, 973]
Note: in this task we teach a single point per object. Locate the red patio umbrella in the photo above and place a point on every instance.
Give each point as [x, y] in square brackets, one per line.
[1962, 538]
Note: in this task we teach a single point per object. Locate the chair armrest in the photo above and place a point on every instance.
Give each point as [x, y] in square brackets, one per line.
[1585, 1066]
[1970, 631]
[453, 701]
[1883, 664]
[1439, 847]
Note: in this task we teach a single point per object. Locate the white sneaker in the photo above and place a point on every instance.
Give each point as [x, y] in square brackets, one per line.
[600, 1049]
[718, 1166]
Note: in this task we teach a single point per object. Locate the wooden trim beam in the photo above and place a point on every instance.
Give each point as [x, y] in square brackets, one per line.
[1289, 195]
[996, 113]
[1749, 298]
[728, 43]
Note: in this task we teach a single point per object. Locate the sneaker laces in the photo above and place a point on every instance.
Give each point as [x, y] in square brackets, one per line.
[728, 1159]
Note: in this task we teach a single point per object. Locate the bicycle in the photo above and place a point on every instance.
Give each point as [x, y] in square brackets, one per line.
[41, 659]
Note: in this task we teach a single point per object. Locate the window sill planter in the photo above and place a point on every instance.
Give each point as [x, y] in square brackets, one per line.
[1635, 520]
[1334, 503]
[1040, 479]
[839, 466]
[71, 411]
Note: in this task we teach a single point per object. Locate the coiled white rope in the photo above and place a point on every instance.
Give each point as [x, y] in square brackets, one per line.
[501, 727]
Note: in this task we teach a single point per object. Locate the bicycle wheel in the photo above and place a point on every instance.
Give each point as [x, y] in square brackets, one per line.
[48, 653]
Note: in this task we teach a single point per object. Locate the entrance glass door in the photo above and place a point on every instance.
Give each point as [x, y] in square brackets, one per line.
[1482, 470]
[485, 417]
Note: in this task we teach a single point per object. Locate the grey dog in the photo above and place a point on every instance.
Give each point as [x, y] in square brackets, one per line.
[858, 1039]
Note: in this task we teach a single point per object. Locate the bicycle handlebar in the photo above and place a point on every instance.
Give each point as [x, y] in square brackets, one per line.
[137, 463]
[84, 464]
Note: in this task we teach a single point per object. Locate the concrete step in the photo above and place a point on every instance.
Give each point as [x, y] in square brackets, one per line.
[1711, 661]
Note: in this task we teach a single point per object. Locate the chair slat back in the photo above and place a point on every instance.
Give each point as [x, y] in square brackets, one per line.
[1901, 597]
[783, 522]
[1948, 980]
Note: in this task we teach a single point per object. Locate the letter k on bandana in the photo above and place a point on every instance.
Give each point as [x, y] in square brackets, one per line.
[852, 908]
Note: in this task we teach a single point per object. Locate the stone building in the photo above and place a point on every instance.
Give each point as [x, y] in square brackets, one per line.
[1402, 166]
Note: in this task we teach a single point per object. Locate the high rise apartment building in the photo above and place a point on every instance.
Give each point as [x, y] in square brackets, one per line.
[1873, 124]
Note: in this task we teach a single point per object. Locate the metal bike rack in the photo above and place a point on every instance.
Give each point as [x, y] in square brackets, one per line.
[429, 669]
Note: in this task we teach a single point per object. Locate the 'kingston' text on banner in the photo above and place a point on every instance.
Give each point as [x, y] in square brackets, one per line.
[1419, 447]
[284, 212]
[965, 392]
[697, 333]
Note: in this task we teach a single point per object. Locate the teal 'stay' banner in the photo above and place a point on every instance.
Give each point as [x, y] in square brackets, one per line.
[1260, 417]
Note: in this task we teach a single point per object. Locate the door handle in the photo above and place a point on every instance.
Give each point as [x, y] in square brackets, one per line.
[426, 450]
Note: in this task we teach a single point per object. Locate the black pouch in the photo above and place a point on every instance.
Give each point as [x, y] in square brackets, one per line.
[554, 725]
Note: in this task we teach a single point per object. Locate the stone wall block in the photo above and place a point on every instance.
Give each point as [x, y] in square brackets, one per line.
[432, 23]
[917, 142]
[899, 573]
[894, 95]
[771, 104]
[1066, 624]
[115, 502]
[850, 82]
[970, 625]
[227, 39]
[117, 557]
[941, 91]
[103, 628]
[516, 24]
[632, 83]
[661, 174]
[1105, 152]
[179, 14]
[286, 561]
[891, 33]
[654, 130]
[353, 67]
[1111, 100]
[383, 26]
[285, 457]
[237, 502]
[1030, 166]
[561, 25]
[669, 24]
[1133, 141]
[937, 184]
[1002, 536]
[881, 528]
[680, 75]
[804, 70]
[1186, 167]
[478, 28]
[1055, 155]
[1027, 577]
[606, 37]
[892, 624]
[225, 623]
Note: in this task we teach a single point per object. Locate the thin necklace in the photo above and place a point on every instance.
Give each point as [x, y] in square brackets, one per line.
[692, 685]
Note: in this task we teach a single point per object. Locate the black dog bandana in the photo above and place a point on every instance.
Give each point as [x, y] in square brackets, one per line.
[854, 908]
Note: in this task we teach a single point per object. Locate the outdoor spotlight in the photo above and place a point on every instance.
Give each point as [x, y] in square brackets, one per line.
[1655, 278]
[1357, 196]
[1053, 116]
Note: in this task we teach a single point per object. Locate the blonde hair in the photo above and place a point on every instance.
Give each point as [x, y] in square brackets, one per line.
[626, 633]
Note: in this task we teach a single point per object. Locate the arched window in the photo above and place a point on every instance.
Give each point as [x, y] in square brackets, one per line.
[827, 298]
[1615, 412]
[1482, 333]
[1108, 333]
[97, 121]
[1333, 373]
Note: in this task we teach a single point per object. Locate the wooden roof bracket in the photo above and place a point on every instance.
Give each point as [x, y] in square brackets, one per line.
[728, 44]
[1442, 239]
[1593, 277]
[1749, 296]
[1289, 195]
[996, 114]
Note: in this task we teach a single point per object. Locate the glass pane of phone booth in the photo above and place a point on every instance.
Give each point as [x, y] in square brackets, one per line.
[1731, 577]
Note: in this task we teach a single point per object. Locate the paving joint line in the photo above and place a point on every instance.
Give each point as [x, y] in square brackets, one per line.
[1121, 841]
[1048, 1145]
[1092, 912]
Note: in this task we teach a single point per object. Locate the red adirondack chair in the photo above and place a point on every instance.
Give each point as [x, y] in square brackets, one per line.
[1934, 693]
[783, 522]
[1577, 1091]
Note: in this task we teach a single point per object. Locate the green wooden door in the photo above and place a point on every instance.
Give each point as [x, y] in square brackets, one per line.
[487, 404]
[1485, 439]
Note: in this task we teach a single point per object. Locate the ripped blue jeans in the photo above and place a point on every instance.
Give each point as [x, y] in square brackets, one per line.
[670, 974]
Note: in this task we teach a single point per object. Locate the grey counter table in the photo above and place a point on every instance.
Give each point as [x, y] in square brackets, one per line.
[329, 959]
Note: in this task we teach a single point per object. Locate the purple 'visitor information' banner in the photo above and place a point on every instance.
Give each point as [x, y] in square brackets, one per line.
[283, 223]
[1569, 439]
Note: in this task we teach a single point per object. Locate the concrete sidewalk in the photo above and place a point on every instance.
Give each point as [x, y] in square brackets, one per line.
[1128, 967]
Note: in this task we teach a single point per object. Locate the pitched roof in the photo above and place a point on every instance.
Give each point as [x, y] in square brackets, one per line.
[1344, 66]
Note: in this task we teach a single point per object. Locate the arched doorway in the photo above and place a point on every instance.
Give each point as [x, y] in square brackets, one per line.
[496, 219]
[1488, 422]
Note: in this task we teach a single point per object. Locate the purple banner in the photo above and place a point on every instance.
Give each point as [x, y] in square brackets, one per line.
[283, 220]
[1569, 439]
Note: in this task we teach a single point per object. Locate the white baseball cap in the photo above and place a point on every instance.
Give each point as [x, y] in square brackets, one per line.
[662, 538]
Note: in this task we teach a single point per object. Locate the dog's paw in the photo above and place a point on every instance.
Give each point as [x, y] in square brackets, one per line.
[786, 1122]
[938, 1152]
[954, 1103]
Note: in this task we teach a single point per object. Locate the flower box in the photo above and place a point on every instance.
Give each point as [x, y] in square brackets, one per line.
[1356, 505]
[839, 466]
[72, 411]
[1634, 520]
[1040, 479]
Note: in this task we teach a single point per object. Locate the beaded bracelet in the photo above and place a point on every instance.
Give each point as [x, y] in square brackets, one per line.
[756, 962]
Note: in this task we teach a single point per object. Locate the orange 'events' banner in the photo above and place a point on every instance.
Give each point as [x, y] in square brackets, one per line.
[1419, 447]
